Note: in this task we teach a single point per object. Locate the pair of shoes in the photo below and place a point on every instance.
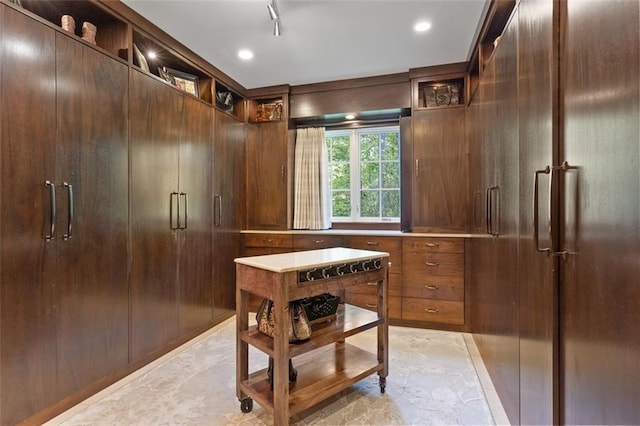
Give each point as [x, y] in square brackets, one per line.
[293, 373]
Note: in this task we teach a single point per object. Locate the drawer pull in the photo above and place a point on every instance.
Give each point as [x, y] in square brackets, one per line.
[432, 287]
[432, 311]
[372, 243]
[432, 263]
[371, 305]
[318, 241]
[268, 240]
[372, 284]
[433, 244]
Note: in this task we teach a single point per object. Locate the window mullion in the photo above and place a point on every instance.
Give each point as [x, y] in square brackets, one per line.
[354, 160]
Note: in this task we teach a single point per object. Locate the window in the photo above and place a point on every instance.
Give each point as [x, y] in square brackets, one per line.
[364, 174]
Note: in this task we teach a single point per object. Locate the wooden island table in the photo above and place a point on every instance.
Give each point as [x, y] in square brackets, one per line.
[326, 363]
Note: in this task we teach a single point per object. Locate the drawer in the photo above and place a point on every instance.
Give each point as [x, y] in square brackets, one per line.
[395, 287]
[259, 251]
[433, 264]
[391, 245]
[433, 287]
[441, 311]
[432, 245]
[268, 240]
[370, 302]
[313, 242]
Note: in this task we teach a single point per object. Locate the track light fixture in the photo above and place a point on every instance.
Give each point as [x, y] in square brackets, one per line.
[275, 17]
[273, 10]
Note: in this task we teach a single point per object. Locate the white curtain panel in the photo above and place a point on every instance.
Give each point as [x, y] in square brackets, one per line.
[311, 208]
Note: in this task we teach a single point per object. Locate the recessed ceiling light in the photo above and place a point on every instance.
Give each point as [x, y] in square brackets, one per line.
[350, 116]
[422, 27]
[245, 54]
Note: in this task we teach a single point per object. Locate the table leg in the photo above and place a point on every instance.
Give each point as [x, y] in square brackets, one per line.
[281, 358]
[242, 348]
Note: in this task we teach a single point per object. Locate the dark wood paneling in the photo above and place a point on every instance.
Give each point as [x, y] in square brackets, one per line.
[537, 108]
[195, 298]
[156, 119]
[383, 96]
[507, 219]
[229, 207]
[494, 283]
[599, 294]
[92, 276]
[440, 176]
[27, 85]
[267, 174]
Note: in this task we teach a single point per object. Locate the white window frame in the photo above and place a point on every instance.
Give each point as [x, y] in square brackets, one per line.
[354, 171]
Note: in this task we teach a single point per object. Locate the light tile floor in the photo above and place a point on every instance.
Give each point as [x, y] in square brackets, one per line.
[435, 377]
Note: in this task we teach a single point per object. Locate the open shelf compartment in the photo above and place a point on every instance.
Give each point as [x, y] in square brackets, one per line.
[350, 320]
[321, 374]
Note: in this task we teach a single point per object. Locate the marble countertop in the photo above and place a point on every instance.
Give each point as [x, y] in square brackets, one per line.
[301, 260]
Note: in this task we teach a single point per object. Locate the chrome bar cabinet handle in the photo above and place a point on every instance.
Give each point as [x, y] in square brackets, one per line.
[536, 238]
[185, 196]
[70, 203]
[52, 210]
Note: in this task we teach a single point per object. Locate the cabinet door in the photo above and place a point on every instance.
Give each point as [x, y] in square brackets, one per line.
[93, 290]
[229, 207]
[600, 291]
[267, 176]
[27, 117]
[505, 218]
[155, 128]
[537, 102]
[440, 170]
[196, 216]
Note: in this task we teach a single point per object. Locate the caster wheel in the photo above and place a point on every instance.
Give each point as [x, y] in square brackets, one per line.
[383, 384]
[246, 405]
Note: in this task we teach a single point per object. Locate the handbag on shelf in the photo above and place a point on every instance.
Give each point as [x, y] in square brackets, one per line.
[320, 308]
[299, 327]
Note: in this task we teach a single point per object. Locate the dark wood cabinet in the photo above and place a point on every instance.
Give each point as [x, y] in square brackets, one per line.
[439, 202]
[195, 202]
[229, 208]
[63, 271]
[267, 176]
[171, 214]
[154, 154]
[600, 206]
[92, 159]
[558, 333]
[28, 334]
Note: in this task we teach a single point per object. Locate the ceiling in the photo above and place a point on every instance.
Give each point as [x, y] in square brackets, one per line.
[321, 40]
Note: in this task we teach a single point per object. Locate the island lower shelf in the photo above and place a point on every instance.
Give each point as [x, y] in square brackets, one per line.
[350, 320]
[321, 374]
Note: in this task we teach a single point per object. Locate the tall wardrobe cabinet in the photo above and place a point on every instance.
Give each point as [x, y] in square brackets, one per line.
[566, 317]
[171, 214]
[63, 215]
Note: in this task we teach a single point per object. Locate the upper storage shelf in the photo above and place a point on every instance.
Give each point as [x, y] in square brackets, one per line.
[110, 32]
[140, 44]
[152, 57]
[446, 92]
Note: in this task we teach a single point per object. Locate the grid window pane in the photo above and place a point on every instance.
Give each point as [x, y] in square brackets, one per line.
[391, 175]
[369, 147]
[339, 175]
[369, 176]
[389, 146]
[341, 203]
[370, 204]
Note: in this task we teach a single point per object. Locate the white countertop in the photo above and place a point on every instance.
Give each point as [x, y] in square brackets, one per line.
[356, 232]
[301, 260]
